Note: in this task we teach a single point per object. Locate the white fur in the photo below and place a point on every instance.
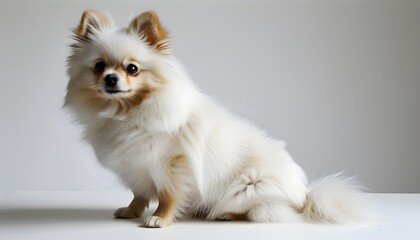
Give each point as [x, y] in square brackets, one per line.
[232, 165]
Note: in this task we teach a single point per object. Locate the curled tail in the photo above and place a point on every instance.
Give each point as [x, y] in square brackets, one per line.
[334, 198]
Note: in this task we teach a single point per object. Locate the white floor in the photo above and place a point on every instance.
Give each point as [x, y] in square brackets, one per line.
[88, 215]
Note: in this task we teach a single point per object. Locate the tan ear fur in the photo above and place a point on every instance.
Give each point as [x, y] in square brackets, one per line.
[147, 26]
[91, 22]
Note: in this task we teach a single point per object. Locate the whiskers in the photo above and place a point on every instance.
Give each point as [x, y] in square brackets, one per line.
[93, 86]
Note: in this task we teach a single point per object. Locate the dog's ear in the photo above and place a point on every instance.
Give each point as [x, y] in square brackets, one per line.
[147, 26]
[91, 23]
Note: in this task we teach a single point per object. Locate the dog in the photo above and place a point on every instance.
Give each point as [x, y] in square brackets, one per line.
[149, 124]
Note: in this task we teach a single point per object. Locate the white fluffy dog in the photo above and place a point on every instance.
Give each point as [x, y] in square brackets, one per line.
[149, 124]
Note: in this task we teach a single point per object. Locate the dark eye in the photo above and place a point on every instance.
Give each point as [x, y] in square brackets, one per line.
[100, 67]
[132, 69]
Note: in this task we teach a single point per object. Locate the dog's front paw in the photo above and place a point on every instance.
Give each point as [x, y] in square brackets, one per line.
[156, 222]
[126, 213]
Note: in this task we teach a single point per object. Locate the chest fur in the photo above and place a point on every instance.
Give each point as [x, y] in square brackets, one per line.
[132, 153]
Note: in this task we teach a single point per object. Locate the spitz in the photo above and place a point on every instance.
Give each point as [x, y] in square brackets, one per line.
[167, 141]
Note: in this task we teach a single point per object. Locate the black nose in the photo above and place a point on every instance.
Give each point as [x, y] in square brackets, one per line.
[111, 80]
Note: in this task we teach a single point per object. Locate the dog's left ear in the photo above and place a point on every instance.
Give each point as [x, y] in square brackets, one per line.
[147, 26]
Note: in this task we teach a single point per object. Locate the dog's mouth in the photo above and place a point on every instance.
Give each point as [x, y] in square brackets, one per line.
[113, 92]
[116, 91]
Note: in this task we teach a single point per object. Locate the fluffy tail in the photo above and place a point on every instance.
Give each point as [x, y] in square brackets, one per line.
[334, 198]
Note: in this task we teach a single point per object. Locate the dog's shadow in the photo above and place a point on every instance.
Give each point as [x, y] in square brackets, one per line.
[24, 217]
[49, 216]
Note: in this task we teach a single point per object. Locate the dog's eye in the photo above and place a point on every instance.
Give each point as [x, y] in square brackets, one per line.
[100, 67]
[132, 69]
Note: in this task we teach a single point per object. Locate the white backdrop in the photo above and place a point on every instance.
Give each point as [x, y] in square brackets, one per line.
[338, 80]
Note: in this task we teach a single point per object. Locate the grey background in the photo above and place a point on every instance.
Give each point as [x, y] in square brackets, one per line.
[338, 80]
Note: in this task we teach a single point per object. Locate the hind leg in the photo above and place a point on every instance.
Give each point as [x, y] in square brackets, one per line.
[230, 216]
[258, 197]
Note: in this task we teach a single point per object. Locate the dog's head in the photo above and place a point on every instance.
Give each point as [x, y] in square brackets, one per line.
[113, 70]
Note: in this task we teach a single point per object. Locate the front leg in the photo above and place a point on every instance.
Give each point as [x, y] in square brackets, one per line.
[134, 210]
[171, 195]
[165, 213]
